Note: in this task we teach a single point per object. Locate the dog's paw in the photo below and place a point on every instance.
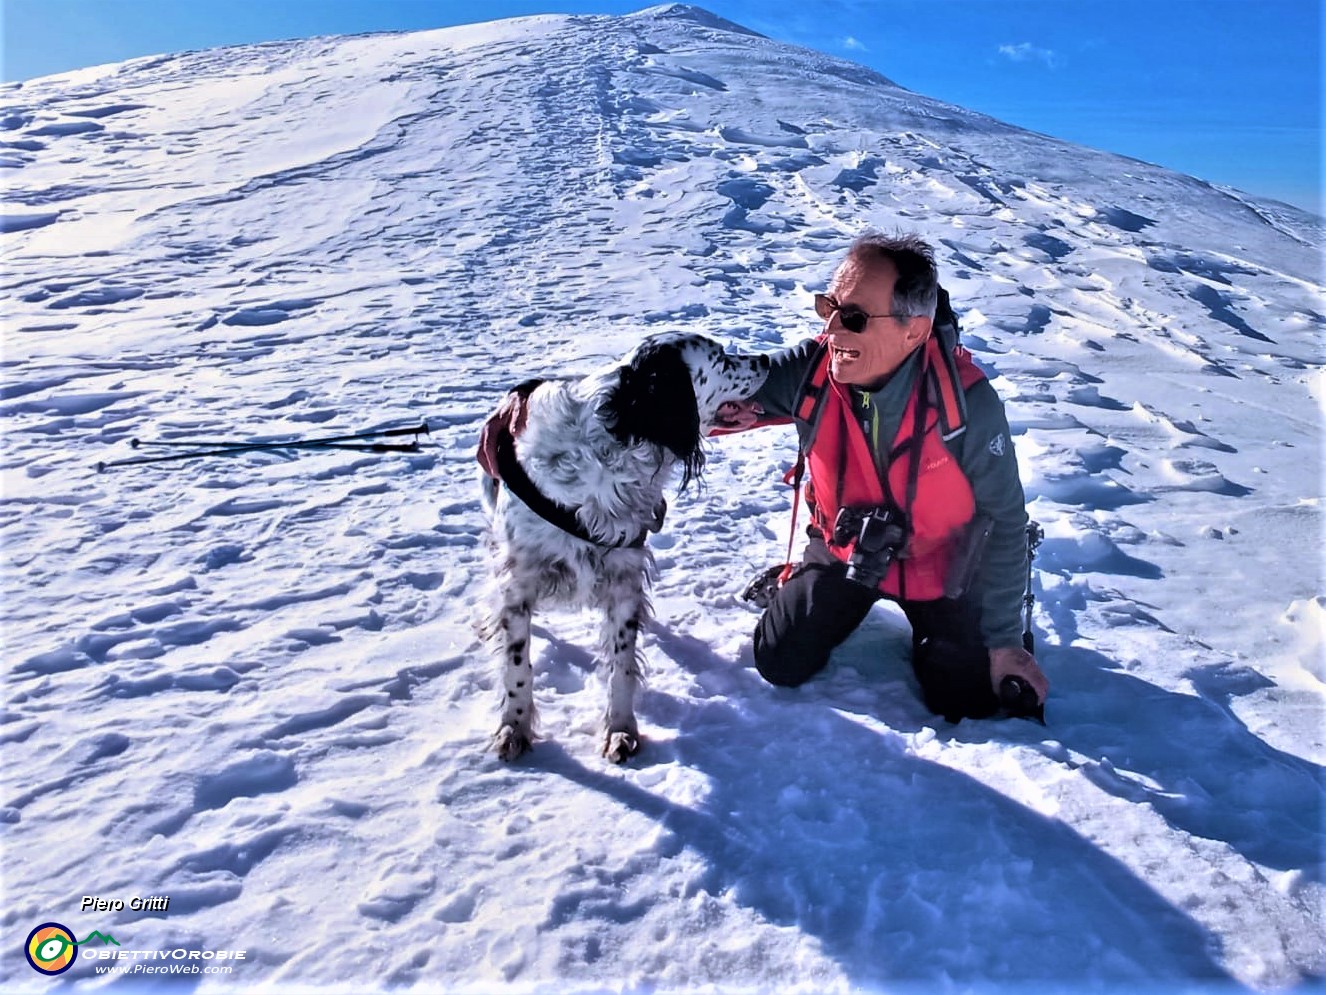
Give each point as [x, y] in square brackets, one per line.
[620, 746]
[510, 742]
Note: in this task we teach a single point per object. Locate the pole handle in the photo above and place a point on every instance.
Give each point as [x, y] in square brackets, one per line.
[1035, 536]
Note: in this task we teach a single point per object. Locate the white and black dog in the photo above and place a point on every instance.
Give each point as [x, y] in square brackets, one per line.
[581, 484]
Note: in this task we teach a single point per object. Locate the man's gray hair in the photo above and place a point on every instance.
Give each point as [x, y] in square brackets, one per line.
[917, 288]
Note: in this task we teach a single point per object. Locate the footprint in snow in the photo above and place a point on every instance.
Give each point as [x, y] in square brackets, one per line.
[324, 718]
[263, 773]
[396, 896]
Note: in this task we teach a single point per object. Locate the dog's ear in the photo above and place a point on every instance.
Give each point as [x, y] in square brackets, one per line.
[654, 401]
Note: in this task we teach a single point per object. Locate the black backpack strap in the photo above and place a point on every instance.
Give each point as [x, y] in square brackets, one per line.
[946, 322]
[945, 381]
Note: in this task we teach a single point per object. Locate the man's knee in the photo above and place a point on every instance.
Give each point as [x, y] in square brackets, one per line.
[779, 660]
[811, 614]
[780, 676]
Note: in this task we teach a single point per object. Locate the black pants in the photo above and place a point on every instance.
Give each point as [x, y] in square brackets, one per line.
[819, 607]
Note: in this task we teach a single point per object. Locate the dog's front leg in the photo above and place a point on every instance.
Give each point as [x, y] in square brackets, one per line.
[516, 732]
[617, 642]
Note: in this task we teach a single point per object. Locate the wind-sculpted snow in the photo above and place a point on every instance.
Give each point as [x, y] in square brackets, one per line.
[252, 683]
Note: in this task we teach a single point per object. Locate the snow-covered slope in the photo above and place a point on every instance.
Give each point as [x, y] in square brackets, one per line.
[252, 684]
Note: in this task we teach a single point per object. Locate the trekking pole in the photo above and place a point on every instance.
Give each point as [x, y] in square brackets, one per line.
[1017, 696]
[1035, 535]
[231, 448]
[226, 449]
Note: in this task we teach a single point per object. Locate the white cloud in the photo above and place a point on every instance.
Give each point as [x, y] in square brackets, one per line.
[1027, 52]
[851, 44]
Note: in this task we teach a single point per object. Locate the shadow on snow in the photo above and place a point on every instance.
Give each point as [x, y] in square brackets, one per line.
[903, 869]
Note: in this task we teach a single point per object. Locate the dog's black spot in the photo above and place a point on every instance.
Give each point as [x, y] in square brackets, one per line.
[520, 711]
[517, 645]
[519, 684]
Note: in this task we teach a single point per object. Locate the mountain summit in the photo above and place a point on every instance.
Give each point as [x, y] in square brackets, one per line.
[696, 15]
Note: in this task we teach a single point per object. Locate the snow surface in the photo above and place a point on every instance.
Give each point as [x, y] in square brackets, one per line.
[252, 684]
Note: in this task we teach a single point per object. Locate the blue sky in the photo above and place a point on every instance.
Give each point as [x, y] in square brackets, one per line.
[1227, 90]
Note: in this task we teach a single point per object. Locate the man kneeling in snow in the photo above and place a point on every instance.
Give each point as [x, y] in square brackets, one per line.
[912, 488]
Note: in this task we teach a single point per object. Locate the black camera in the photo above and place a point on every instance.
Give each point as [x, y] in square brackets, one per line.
[880, 533]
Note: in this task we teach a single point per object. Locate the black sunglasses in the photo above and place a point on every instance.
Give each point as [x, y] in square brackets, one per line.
[852, 317]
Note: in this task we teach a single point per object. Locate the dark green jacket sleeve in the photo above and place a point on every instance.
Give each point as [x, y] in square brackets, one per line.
[985, 453]
[787, 370]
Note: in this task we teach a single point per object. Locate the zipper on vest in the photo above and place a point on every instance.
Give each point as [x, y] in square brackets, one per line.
[865, 415]
[869, 418]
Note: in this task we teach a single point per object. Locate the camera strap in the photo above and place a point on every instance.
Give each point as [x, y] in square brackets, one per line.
[914, 445]
[917, 440]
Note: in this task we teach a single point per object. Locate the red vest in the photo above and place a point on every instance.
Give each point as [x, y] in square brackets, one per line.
[844, 474]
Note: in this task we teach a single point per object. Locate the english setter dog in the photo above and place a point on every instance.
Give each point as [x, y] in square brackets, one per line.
[580, 486]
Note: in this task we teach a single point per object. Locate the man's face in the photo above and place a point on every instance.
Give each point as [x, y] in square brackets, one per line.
[869, 357]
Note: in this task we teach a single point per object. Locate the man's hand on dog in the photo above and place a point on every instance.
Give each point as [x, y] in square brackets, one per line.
[737, 416]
